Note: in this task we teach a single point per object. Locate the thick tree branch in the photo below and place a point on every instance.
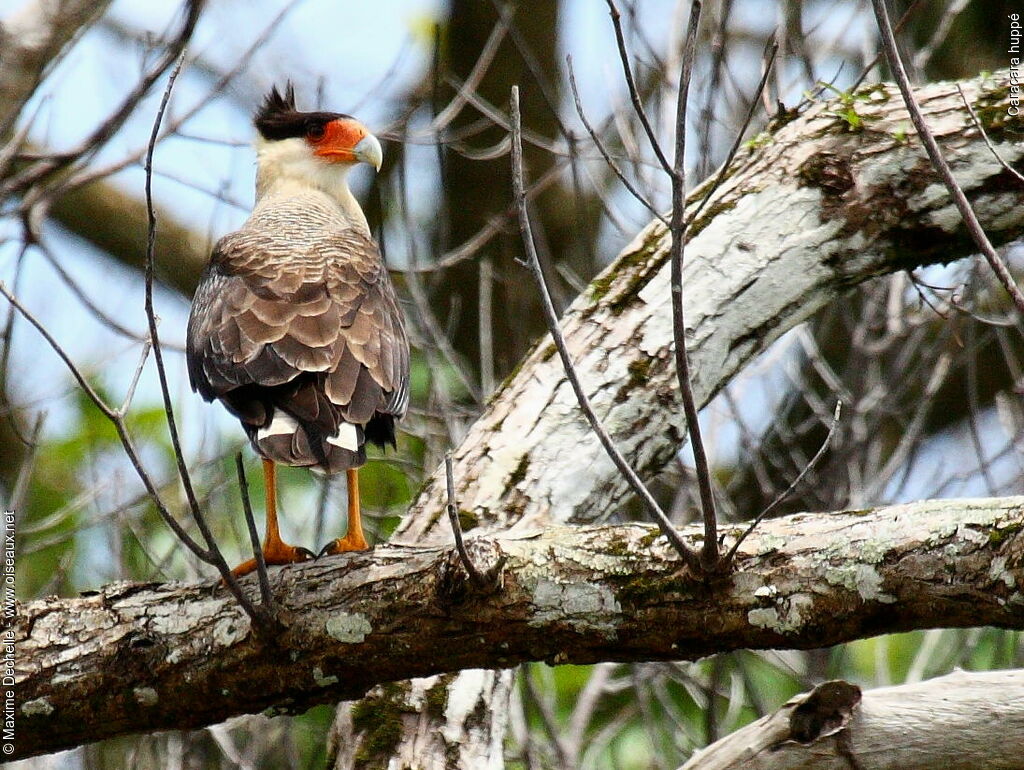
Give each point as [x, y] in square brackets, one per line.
[134, 658]
[952, 722]
[811, 211]
[116, 222]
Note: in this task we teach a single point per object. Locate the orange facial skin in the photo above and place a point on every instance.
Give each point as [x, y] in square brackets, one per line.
[338, 139]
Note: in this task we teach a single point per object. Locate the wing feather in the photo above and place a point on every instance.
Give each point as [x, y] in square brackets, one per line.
[264, 315]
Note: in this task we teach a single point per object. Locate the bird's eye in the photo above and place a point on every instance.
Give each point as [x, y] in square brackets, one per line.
[316, 131]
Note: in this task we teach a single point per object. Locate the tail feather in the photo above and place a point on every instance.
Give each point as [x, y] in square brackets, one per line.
[285, 440]
[297, 424]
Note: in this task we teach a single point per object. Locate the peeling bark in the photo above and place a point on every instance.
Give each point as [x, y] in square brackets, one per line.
[432, 723]
[962, 721]
[134, 658]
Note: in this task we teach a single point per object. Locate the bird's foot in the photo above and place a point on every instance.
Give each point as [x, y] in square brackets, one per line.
[275, 553]
[351, 542]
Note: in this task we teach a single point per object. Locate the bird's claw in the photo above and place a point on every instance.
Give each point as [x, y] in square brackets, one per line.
[344, 545]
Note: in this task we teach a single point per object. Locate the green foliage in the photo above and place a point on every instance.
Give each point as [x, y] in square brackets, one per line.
[846, 110]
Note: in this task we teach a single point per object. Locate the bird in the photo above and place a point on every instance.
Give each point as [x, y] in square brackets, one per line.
[295, 326]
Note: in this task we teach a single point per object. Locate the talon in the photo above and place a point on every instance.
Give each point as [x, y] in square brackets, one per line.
[344, 545]
[279, 553]
[354, 540]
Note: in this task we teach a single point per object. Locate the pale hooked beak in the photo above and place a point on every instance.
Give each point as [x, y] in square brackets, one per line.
[369, 151]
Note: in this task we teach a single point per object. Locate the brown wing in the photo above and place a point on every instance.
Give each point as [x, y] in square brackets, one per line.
[315, 331]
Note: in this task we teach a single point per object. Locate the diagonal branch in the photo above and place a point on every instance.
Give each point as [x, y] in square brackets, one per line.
[32, 41]
[806, 214]
[974, 227]
[945, 722]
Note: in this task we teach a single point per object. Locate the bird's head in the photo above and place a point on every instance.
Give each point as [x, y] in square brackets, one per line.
[317, 146]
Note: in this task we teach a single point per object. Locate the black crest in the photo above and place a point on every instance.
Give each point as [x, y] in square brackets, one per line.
[277, 118]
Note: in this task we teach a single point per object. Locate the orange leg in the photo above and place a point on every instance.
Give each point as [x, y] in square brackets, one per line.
[354, 539]
[275, 550]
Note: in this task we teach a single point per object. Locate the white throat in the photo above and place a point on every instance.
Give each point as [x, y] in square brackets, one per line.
[288, 168]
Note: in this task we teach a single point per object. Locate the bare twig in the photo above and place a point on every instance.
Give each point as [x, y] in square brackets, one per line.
[129, 395]
[115, 418]
[151, 314]
[425, 315]
[213, 554]
[115, 120]
[793, 485]
[486, 329]
[985, 137]
[16, 502]
[718, 54]
[480, 67]
[91, 173]
[453, 516]
[709, 552]
[266, 596]
[634, 94]
[939, 162]
[11, 413]
[949, 16]
[907, 15]
[604, 152]
[738, 141]
[689, 556]
[103, 317]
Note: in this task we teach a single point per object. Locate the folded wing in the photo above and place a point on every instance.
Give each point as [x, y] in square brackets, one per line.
[305, 346]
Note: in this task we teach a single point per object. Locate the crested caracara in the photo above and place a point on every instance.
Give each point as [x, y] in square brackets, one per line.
[295, 327]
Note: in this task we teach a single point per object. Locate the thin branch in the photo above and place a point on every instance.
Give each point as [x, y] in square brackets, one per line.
[483, 62]
[738, 141]
[709, 552]
[90, 174]
[129, 395]
[485, 305]
[984, 135]
[76, 289]
[112, 415]
[939, 162]
[717, 65]
[115, 120]
[604, 152]
[213, 554]
[16, 502]
[533, 264]
[634, 94]
[266, 595]
[793, 485]
[453, 517]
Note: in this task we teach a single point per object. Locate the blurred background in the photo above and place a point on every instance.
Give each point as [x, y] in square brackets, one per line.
[928, 365]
